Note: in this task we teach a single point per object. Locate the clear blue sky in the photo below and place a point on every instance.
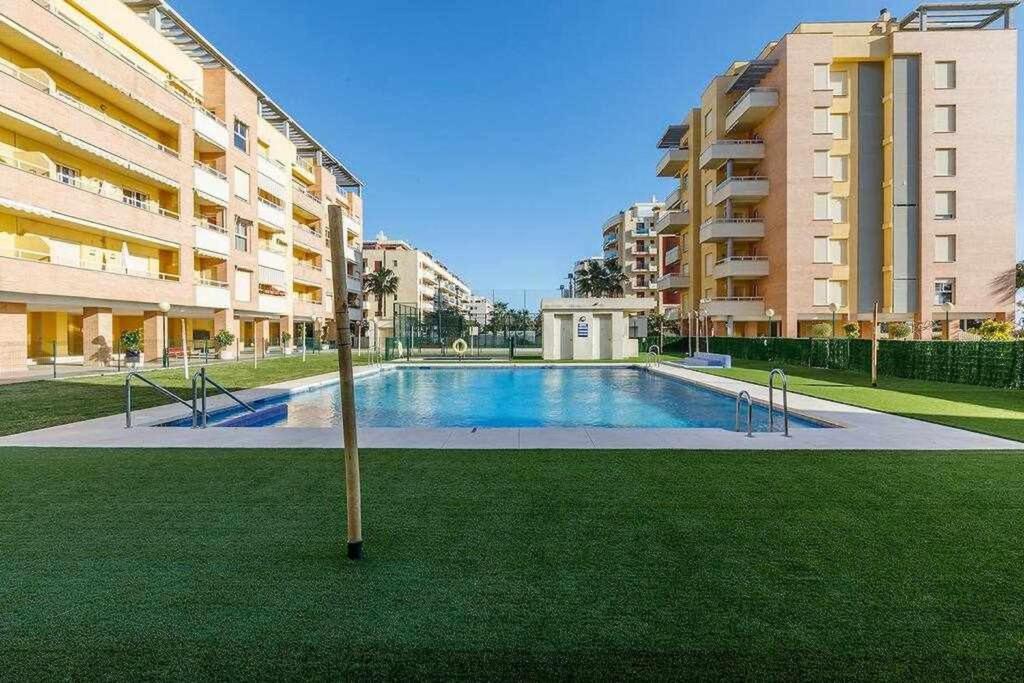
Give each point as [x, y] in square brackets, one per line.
[498, 135]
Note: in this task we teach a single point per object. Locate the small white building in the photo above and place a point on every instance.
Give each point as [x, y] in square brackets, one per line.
[592, 329]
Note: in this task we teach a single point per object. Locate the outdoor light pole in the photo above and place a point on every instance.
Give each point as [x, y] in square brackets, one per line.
[948, 306]
[834, 308]
[348, 397]
[771, 316]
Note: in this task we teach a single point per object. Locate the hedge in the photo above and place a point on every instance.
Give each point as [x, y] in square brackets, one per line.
[987, 363]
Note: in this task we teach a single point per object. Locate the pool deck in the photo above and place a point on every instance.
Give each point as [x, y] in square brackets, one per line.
[860, 428]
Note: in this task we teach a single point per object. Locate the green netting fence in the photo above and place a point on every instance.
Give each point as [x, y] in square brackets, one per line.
[986, 363]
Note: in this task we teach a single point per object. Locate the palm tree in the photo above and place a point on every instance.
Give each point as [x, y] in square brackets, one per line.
[589, 281]
[614, 278]
[1019, 281]
[381, 283]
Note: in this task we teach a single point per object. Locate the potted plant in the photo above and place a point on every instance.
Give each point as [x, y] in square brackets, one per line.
[131, 347]
[286, 338]
[851, 330]
[898, 330]
[222, 341]
[821, 330]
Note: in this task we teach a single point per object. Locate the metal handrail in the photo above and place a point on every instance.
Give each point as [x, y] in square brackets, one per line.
[785, 403]
[652, 354]
[199, 380]
[128, 396]
[750, 412]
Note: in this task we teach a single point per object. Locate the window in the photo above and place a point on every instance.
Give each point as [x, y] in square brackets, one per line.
[945, 118]
[709, 193]
[821, 206]
[68, 175]
[945, 205]
[945, 75]
[838, 82]
[821, 120]
[838, 209]
[837, 292]
[134, 198]
[840, 168]
[945, 162]
[821, 78]
[837, 252]
[241, 136]
[839, 124]
[241, 184]
[708, 119]
[821, 163]
[242, 227]
[821, 250]
[945, 248]
[709, 262]
[821, 291]
[243, 285]
[944, 290]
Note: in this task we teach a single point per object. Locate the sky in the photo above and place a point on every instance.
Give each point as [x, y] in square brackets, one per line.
[499, 135]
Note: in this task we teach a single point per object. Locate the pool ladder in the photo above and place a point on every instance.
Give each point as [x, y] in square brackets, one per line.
[777, 372]
[197, 406]
[652, 355]
[750, 412]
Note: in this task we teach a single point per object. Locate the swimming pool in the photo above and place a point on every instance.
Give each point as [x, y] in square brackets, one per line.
[512, 397]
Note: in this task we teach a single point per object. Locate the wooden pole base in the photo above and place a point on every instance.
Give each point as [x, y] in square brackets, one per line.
[355, 550]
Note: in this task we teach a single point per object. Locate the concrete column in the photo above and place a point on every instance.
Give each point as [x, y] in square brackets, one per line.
[261, 335]
[789, 326]
[288, 326]
[13, 337]
[97, 336]
[153, 336]
[730, 327]
[224, 319]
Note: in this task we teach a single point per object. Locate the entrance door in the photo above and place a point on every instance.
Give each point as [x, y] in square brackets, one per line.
[603, 335]
[563, 337]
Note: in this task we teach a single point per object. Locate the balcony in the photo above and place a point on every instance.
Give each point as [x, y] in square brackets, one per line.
[211, 183]
[303, 168]
[612, 223]
[673, 281]
[211, 238]
[271, 186]
[741, 267]
[673, 199]
[672, 256]
[210, 128]
[672, 222]
[270, 214]
[737, 308]
[307, 236]
[351, 225]
[672, 163]
[307, 272]
[724, 229]
[741, 190]
[272, 169]
[643, 268]
[354, 283]
[610, 240]
[307, 308]
[270, 303]
[212, 293]
[751, 108]
[721, 151]
[271, 257]
[307, 201]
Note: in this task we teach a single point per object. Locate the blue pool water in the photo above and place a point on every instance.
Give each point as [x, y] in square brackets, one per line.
[518, 397]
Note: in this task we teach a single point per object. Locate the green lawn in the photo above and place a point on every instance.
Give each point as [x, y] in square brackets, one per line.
[999, 412]
[132, 564]
[45, 403]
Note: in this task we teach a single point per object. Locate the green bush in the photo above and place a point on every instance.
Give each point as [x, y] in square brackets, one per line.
[821, 330]
[223, 339]
[131, 341]
[898, 330]
[996, 330]
[851, 330]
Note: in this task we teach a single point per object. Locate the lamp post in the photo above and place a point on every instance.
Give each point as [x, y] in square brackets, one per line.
[164, 308]
[948, 307]
[771, 314]
[316, 332]
[835, 309]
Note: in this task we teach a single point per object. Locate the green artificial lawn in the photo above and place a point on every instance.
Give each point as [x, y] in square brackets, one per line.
[230, 564]
[45, 403]
[999, 412]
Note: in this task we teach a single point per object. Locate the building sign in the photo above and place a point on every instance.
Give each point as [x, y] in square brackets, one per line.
[583, 327]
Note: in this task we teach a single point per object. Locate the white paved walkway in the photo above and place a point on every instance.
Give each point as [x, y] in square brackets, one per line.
[860, 429]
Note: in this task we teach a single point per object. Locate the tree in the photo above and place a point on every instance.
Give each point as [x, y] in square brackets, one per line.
[996, 330]
[821, 330]
[657, 324]
[614, 278]
[898, 330]
[590, 280]
[381, 283]
[499, 318]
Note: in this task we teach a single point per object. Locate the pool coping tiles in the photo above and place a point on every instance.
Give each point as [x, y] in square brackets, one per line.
[858, 428]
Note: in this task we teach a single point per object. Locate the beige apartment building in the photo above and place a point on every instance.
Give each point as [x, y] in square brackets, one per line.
[849, 163]
[139, 168]
[629, 238]
[424, 282]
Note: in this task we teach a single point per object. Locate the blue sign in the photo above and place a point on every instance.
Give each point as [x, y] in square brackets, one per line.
[583, 327]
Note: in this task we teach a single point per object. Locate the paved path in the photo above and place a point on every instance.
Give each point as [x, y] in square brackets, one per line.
[859, 428]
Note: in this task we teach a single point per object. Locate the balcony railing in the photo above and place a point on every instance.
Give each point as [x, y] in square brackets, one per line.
[751, 108]
[39, 164]
[43, 257]
[210, 169]
[672, 255]
[722, 229]
[721, 151]
[208, 282]
[742, 267]
[207, 225]
[742, 307]
[672, 162]
[742, 189]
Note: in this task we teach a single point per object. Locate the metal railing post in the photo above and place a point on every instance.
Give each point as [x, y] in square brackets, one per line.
[55, 359]
[750, 412]
[785, 400]
[128, 401]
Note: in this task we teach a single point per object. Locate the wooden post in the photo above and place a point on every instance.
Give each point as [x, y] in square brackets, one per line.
[184, 346]
[348, 397]
[874, 346]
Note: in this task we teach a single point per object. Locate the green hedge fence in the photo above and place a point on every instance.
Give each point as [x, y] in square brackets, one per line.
[987, 363]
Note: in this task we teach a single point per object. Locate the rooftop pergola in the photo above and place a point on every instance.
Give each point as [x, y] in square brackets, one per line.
[673, 136]
[752, 75]
[958, 16]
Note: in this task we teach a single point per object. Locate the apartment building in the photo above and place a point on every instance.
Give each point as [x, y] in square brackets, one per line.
[629, 239]
[139, 170]
[423, 281]
[480, 309]
[849, 163]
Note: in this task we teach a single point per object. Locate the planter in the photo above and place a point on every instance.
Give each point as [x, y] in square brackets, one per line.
[133, 359]
[226, 354]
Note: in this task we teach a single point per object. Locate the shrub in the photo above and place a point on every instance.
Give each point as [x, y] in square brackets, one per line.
[131, 341]
[821, 330]
[851, 330]
[899, 330]
[996, 330]
[285, 338]
[223, 339]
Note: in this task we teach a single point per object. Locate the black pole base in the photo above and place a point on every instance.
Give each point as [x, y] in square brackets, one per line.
[355, 550]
